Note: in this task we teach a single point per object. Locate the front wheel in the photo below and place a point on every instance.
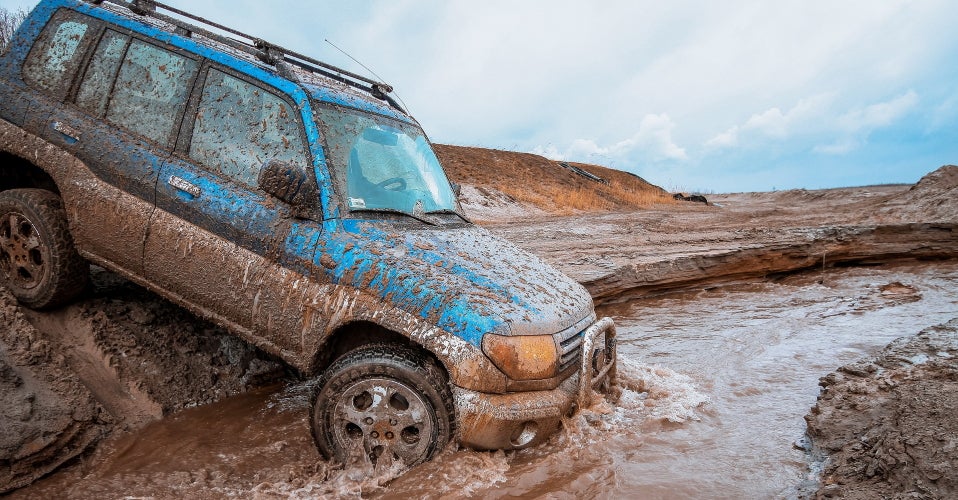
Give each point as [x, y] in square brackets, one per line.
[382, 404]
[38, 262]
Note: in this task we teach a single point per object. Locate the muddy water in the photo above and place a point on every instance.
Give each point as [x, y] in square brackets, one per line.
[716, 384]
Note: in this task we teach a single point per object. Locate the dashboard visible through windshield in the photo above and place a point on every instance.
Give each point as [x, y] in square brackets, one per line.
[383, 164]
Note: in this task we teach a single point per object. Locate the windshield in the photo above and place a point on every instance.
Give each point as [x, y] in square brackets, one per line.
[384, 164]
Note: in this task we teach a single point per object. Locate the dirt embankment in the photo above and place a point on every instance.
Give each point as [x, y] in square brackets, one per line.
[117, 359]
[887, 426]
[746, 236]
[933, 198]
[46, 415]
[505, 185]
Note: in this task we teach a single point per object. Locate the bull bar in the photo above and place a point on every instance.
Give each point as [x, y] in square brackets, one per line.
[523, 419]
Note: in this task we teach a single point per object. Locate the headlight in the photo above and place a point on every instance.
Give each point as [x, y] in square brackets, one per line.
[524, 357]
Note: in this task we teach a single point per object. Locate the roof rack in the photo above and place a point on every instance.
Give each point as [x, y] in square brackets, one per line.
[266, 52]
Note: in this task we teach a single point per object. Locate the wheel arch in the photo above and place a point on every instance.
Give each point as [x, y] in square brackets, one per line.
[19, 173]
[355, 334]
[359, 319]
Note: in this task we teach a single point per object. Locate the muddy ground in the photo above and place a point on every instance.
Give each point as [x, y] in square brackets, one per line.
[121, 357]
[887, 426]
[118, 358]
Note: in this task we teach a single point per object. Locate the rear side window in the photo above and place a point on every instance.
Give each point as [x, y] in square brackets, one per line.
[57, 53]
[150, 92]
[98, 81]
[240, 126]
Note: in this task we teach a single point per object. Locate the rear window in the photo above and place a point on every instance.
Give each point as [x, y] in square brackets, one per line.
[57, 53]
[150, 91]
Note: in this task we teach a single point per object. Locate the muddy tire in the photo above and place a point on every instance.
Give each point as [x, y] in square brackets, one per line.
[380, 404]
[38, 262]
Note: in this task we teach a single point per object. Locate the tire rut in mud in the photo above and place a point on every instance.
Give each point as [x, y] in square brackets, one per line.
[47, 416]
[117, 359]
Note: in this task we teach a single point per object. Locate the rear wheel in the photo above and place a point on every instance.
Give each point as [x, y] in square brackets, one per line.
[382, 404]
[38, 262]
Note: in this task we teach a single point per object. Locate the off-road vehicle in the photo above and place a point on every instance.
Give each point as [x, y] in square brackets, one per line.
[298, 205]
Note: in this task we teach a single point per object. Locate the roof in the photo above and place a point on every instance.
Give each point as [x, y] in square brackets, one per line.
[322, 81]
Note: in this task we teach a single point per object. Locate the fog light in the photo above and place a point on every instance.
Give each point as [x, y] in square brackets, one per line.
[524, 434]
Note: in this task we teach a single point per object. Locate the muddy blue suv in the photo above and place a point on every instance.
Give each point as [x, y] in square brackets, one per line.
[298, 205]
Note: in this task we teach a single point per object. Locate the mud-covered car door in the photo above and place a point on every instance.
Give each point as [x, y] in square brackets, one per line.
[119, 117]
[217, 240]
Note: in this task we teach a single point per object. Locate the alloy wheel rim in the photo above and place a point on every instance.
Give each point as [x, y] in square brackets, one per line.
[385, 420]
[22, 258]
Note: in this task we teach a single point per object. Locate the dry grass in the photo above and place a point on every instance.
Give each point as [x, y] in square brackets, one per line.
[600, 198]
[545, 184]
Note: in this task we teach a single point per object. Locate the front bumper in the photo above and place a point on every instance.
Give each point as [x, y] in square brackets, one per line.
[522, 419]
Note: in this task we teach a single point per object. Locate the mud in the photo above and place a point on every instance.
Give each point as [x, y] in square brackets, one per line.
[114, 361]
[715, 385]
[887, 425]
[122, 362]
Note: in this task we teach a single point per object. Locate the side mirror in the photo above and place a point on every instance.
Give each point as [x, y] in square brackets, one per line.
[289, 183]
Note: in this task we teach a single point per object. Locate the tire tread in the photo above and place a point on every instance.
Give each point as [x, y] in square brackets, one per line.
[68, 274]
[379, 359]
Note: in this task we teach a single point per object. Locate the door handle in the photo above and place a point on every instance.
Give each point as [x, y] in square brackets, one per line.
[67, 131]
[185, 186]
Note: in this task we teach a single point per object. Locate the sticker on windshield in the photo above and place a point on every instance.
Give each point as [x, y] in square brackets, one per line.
[357, 203]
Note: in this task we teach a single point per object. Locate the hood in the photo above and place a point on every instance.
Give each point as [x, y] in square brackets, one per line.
[464, 280]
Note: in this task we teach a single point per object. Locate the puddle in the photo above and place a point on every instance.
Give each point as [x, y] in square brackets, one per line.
[716, 384]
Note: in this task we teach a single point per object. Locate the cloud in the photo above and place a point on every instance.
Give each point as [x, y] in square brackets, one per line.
[550, 152]
[944, 113]
[774, 124]
[726, 139]
[855, 126]
[815, 122]
[651, 143]
[840, 147]
[771, 123]
[878, 115]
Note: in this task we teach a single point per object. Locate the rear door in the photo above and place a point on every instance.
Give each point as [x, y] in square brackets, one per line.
[120, 117]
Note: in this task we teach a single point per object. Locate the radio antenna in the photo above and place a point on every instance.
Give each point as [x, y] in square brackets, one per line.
[369, 70]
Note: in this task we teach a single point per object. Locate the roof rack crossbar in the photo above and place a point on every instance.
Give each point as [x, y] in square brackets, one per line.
[263, 50]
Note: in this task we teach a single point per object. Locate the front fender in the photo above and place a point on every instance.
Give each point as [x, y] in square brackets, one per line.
[466, 364]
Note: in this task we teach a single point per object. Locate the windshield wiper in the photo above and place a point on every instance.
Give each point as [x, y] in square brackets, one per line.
[449, 211]
[395, 211]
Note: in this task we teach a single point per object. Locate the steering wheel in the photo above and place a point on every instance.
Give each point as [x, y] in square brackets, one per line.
[393, 184]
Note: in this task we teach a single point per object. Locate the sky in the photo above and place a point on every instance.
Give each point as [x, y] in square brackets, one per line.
[739, 95]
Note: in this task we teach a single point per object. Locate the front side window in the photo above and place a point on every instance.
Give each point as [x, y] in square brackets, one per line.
[150, 91]
[384, 164]
[240, 126]
[56, 55]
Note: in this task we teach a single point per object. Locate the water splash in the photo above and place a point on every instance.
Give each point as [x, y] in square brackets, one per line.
[659, 393]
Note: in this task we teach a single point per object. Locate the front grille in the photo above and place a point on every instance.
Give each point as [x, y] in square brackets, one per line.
[570, 349]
